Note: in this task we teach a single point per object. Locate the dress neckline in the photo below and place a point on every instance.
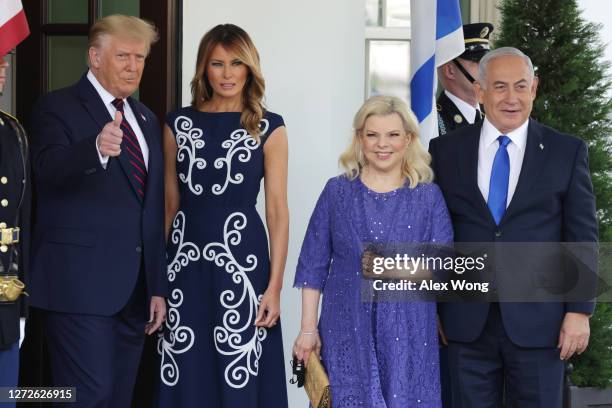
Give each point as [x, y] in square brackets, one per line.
[213, 113]
[385, 194]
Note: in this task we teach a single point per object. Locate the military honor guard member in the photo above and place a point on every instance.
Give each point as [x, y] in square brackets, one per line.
[457, 104]
[14, 240]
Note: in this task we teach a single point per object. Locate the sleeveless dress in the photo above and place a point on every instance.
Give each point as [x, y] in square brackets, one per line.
[211, 354]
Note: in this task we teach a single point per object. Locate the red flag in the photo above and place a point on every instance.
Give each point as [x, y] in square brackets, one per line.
[13, 25]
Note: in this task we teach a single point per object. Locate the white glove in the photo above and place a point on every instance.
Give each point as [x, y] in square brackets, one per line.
[21, 330]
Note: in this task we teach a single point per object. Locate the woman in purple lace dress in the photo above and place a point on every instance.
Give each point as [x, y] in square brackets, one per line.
[380, 354]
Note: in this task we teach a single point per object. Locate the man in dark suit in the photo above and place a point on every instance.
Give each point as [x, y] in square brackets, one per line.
[457, 104]
[14, 238]
[510, 179]
[98, 264]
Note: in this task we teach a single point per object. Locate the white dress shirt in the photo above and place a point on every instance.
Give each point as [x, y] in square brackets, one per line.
[487, 148]
[108, 99]
[468, 111]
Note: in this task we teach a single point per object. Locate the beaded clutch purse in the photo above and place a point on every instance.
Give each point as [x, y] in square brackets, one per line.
[316, 383]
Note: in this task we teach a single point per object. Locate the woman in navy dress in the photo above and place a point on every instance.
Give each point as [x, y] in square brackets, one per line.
[377, 353]
[221, 345]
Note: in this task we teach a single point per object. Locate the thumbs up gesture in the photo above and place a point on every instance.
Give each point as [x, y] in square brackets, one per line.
[109, 139]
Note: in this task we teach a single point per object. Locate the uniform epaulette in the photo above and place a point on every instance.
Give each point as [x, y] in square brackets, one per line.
[10, 116]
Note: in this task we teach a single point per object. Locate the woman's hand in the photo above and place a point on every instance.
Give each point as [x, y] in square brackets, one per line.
[367, 264]
[306, 343]
[269, 309]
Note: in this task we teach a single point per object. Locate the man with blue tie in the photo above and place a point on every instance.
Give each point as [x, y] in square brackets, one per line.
[98, 263]
[511, 179]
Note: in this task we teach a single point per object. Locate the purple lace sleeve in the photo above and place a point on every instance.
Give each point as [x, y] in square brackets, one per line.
[441, 229]
[315, 257]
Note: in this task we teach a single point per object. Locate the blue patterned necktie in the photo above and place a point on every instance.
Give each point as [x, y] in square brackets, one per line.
[498, 184]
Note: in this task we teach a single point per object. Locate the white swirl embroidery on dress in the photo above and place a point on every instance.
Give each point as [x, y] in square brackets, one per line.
[237, 337]
[240, 142]
[178, 339]
[189, 140]
[186, 251]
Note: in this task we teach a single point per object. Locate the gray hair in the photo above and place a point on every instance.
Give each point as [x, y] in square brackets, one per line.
[497, 53]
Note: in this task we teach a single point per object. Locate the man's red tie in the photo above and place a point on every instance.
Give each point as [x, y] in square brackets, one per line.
[134, 153]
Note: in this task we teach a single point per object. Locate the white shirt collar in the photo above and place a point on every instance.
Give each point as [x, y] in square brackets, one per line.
[518, 136]
[107, 98]
[468, 111]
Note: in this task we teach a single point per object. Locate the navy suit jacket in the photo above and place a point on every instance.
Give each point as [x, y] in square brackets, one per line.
[92, 233]
[553, 202]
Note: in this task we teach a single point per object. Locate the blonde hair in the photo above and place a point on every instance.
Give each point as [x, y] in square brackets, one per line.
[415, 163]
[234, 39]
[125, 27]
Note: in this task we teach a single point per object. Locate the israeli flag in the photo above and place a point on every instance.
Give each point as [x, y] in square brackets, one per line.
[437, 37]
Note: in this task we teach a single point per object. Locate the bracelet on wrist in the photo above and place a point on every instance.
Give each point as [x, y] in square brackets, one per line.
[308, 333]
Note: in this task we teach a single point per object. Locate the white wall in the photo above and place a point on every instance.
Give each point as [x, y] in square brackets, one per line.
[312, 55]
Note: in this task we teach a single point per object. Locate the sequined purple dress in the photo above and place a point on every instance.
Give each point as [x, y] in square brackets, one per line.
[377, 354]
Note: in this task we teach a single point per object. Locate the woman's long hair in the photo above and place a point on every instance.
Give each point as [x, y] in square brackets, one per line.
[415, 163]
[234, 39]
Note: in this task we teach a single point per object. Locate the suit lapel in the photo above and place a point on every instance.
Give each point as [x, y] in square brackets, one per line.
[124, 160]
[141, 118]
[534, 159]
[468, 167]
[94, 105]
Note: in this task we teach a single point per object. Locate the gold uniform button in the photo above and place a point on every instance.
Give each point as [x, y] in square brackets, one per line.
[3, 180]
[3, 248]
[4, 202]
[2, 224]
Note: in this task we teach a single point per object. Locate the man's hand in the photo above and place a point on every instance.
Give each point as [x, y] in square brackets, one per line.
[157, 314]
[574, 335]
[109, 139]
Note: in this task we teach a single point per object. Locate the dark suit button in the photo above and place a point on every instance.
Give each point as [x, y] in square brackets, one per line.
[138, 249]
[90, 171]
[497, 233]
